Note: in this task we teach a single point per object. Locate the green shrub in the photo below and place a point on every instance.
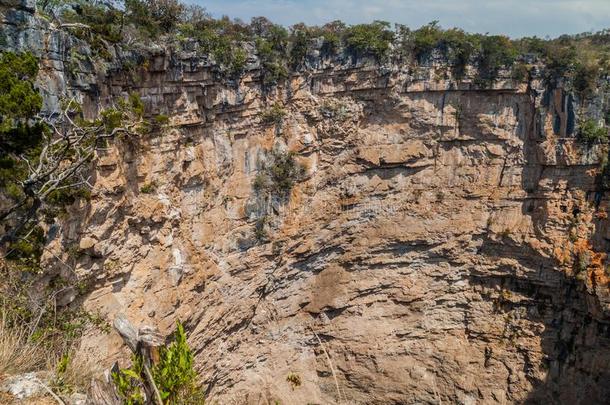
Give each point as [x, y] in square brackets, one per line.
[589, 132]
[161, 119]
[239, 57]
[112, 118]
[279, 175]
[272, 59]
[585, 78]
[19, 101]
[425, 39]
[129, 383]
[458, 48]
[105, 22]
[14, 192]
[135, 103]
[273, 115]
[299, 40]
[532, 46]
[333, 34]
[26, 252]
[274, 72]
[221, 39]
[496, 52]
[520, 72]
[284, 172]
[129, 111]
[369, 39]
[154, 17]
[260, 233]
[260, 182]
[174, 375]
[67, 196]
[264, 49]
[148, 188]
[560, 58]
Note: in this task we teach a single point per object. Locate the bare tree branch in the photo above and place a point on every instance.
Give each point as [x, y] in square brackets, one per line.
[66, 149]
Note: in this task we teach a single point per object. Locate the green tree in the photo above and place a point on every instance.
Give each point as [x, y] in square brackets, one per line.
[458, 47]
[585, 78]
[497, 52]
[271, 47]
[370, 39]
[299, 40]
[425, 39]
[19, 100]
[154, 16]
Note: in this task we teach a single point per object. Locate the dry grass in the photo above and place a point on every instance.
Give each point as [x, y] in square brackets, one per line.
[75, 372]
[18, 354]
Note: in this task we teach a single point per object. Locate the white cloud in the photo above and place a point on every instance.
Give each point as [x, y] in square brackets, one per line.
[512, 17]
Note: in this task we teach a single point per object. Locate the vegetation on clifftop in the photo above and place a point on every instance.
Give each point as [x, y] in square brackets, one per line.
[580, 58]
[33, 198]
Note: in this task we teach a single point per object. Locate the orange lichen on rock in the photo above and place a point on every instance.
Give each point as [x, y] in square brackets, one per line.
[589, 261]
[563, 254]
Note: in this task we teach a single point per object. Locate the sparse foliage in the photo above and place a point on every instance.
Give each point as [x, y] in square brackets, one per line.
[58, 162]
[589, 132]
[273, 115]
[279, 174]
[294, 379]
[148, 188]
[174, 376]
[18, 352]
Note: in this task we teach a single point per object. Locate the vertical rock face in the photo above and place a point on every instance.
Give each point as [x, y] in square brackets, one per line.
[445, 243]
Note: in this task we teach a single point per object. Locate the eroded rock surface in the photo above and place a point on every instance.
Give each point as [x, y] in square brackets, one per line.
[431, 252]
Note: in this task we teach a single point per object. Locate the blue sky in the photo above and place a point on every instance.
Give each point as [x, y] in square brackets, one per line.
[513, 17]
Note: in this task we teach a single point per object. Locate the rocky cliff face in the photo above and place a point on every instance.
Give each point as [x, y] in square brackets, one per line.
[446, 243]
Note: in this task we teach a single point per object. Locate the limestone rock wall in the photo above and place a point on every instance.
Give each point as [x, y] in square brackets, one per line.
[432, 252]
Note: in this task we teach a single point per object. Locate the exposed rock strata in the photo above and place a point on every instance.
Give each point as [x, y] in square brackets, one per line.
[430, 252]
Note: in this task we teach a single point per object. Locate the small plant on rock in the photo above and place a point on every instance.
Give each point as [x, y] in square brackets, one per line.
[294, 379]
[129, 383]
[590, 133]
[260, 233]
[273, 115]
[280, 174]
[174, 376]
[335, 109]
[162, 119]
[148, 188]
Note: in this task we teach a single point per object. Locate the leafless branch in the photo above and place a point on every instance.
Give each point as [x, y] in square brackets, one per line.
[65, 151]
[74, 25]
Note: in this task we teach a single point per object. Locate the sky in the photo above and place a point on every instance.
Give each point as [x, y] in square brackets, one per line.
[515, 18]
